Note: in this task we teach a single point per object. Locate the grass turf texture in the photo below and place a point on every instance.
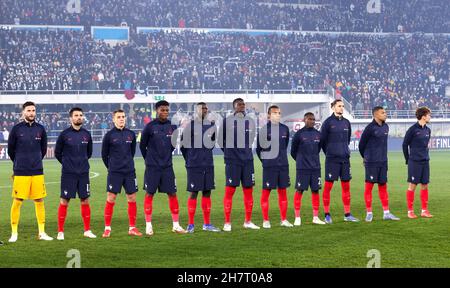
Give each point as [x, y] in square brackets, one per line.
[407, 243]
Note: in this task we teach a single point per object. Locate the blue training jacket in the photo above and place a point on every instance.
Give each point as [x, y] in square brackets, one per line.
[415, 143]
[305, 149]
[335, 138]
[193, 135]
[266, 134]
[27, 146]
[156, 145]
[73, 150]
[118, 150]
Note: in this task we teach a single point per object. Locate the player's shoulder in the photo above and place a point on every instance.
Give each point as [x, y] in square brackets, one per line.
[66, 130]
[149, 126]
[412, 128]
[84, 130]
[369, 126]
[129, 131]
[302, 131]
[39, 125]
[297, 133]
[284, 126]
[152, 123]
[328, 120]
[265, 126]
[110, 131]
[18, 125]
[325, 124]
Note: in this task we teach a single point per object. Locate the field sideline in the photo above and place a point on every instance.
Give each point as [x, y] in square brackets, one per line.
[407, 243]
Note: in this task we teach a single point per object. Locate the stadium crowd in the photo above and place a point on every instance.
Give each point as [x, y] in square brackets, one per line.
[399, 72]
[327, 15]
[97, 117]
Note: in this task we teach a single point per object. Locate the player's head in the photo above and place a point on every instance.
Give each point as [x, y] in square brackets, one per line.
[309, 119]
[338, 107]
[119, 118]
[201, 110]
[239, 105]
[29, 111]
[274, 114]
[162, 109]
[76, 116]
[379, 113]
[424, 114]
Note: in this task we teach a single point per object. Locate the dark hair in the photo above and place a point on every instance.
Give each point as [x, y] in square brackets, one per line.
[237, 100]
[272, 107]
[118, 111]
[307, 114]
[376, 108]
[26, 104]
[422, 111]
[161, 103]
[335, 102]
[201, 103]
[75, 109]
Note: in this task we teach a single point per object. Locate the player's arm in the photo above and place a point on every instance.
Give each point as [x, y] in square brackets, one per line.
[59, 148]
[12, 144]
[44, 143]
[320, 143]
[105, 150]
[89, 147]
[214, 135]
[406, 142]
[133, 145]
[252, 134]
[349, 132]
[258, 145]
[288, 137]
[175, 135]
[145, 136]
[222, 135]
[294, 145]
[324, 136]
[183, 139]
[363, 141]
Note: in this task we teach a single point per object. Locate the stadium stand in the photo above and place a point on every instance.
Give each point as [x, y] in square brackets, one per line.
[327, 15]
[399, 72]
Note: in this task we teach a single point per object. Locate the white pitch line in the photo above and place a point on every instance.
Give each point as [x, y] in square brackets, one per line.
[46, 183]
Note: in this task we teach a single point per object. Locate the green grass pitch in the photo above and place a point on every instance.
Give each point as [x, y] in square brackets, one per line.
[407, 243]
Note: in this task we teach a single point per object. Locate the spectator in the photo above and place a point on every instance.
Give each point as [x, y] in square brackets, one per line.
[5, 134]
[325, 15]
[399, 72]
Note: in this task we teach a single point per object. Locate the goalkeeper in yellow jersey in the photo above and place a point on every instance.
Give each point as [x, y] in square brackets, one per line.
[27, 146]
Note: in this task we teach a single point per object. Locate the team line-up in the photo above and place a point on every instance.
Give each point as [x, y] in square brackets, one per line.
[27, 146]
